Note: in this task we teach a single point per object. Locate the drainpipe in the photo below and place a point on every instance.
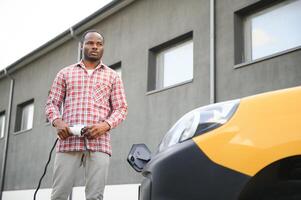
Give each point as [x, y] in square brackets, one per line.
[212, 52]
[7, 129]
[73, 35]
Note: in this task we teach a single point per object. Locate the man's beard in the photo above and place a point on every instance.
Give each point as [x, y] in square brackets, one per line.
[90, 58]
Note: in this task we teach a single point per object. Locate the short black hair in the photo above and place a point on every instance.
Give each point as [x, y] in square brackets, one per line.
[90, 31]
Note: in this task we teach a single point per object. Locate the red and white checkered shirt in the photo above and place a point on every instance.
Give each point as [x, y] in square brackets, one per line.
[87, 100]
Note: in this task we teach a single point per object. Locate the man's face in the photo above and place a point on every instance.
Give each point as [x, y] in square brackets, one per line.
[93, 47]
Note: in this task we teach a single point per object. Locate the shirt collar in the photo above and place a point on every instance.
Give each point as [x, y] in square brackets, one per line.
[82, 65]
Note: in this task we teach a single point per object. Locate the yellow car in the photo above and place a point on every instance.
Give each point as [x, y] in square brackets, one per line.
[246, 149]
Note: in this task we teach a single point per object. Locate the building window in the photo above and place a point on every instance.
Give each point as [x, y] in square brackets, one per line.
[24, 118]
[2, 124]
[171, 63]
[272, 30]
[117, 68]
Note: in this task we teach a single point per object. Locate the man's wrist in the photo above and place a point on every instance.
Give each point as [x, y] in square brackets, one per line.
[53, 122]
[107, 125]
[56, 122]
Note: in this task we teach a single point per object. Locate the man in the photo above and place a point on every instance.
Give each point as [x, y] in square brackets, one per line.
[93, 96]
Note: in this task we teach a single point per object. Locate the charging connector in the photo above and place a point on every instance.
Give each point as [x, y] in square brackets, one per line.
[77, 130]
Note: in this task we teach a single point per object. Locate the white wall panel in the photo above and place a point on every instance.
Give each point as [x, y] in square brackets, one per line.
[43, 194]
[112, 192]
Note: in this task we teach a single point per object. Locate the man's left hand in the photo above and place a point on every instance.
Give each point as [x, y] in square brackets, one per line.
[95, 131]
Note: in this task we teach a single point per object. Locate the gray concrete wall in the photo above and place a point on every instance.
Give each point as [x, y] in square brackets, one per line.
[129, 34]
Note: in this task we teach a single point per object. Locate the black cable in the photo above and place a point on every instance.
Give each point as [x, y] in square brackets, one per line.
[40, 181]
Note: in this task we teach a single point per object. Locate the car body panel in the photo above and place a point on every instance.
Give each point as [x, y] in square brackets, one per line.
[264, 129]
[183, 171]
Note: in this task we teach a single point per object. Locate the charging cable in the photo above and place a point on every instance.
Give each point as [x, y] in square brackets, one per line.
[77, 130]
[40, 181]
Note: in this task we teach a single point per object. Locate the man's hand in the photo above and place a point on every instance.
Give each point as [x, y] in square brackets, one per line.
[95, 131]
[62, 128]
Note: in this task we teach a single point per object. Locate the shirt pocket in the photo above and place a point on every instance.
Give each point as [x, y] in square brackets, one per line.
[101, 94]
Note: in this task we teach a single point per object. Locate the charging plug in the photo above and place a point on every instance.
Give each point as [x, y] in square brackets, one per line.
[77, 130]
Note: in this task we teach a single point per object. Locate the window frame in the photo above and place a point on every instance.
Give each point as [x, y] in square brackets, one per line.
[155, 76]
[242, 32]
[248, 29]
[160, 67]
[20, 116]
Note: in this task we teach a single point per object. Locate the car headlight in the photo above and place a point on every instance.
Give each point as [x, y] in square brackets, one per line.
[199, 121]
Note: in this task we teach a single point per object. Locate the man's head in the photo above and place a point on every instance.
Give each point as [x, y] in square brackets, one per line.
[92, 46]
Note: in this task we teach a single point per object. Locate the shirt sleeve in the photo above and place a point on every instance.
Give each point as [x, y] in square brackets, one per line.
[55, 98]
[118, 103]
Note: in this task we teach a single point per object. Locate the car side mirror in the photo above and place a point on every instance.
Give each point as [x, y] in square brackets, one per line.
[138, 156]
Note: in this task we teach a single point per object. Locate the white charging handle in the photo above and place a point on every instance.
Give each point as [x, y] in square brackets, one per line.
[77, 130]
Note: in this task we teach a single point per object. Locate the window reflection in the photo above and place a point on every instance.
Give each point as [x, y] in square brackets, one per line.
[274, 30]
[27, 117]
[2, 125]
[175, 65]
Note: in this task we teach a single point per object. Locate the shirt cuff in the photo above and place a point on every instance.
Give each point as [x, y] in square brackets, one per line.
[110, 124]
[53, 119]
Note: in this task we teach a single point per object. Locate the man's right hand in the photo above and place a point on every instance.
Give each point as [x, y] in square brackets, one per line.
[62, 128]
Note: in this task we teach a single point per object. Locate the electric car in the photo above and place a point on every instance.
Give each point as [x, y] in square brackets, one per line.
[246, 149]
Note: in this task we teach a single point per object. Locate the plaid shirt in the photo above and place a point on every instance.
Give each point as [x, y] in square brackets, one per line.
[87, 100]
